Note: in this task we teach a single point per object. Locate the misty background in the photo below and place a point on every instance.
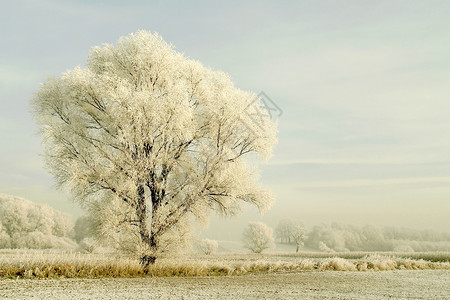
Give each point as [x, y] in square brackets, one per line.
[365, 133]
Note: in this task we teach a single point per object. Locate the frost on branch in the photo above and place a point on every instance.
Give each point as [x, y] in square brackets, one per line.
[152, 140]
[257, 237]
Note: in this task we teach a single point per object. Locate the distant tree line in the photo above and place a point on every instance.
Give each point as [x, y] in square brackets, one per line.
[341, 237]
[24, 224]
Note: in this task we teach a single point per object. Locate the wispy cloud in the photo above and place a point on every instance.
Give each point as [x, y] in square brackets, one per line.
[370, 182]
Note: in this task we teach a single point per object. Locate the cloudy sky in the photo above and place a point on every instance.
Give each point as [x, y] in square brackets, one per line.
[363, 85]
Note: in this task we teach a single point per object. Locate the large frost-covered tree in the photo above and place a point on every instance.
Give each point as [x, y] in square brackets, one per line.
[153, 138]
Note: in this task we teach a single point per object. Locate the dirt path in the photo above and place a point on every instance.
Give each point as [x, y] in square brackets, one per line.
[429, 284]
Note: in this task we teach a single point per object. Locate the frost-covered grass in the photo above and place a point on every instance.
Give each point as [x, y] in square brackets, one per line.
[53, 264]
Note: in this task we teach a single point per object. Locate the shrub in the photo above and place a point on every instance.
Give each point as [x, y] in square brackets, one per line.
[208, 246]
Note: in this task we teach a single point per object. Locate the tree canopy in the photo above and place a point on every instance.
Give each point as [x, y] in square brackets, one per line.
[151, 139]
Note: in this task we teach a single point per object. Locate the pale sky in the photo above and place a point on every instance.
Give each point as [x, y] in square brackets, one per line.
[364, 87]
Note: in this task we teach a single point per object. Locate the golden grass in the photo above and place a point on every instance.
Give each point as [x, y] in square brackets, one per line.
[39, 264]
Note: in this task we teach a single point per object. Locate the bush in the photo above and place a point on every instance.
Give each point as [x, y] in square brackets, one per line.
[208, 246]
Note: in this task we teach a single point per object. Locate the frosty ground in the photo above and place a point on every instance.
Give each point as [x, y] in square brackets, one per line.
[404, 284]
[352, 275]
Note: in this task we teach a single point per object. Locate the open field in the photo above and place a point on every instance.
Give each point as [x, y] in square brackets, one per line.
[54, 264]
[418, 284]
[307, 275]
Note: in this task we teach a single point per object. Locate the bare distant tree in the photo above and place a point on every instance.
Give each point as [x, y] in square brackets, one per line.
[258, 237]
[298, 235]
[150, 138]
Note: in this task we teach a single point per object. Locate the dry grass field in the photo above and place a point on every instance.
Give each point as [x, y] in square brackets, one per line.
[56, 264]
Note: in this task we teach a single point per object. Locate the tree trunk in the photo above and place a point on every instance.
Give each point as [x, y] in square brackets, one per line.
[296, 250]
[147, 260]
[141, 213]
